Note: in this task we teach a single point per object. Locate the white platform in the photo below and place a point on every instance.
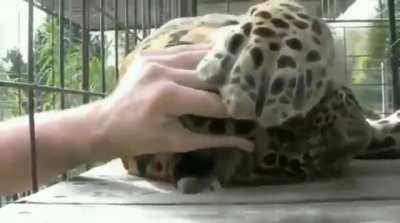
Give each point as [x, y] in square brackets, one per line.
[370, 192]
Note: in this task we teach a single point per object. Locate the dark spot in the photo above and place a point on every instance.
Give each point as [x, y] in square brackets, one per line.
[270, 101]
[396, 128]
[257, 56]
[325, 110]
[230, 23]
[176, 37]
[336, 106]
[284, 115]
[282, 35]
[300, 24]
[382, 122]
[316, 27]
[193, 164]
[262, 94]
[323, 72]
[217, 126]
[270, 159]
[158, 166]
[252, 11]
[257, 40]
[263, 14]
[286, 61]
[292, 82]
[236, 70]
[277, 86]
[377, 145]
[288, 16]
[274, 46]
[316, 40]
[283, 161]
[219, 55]
[264, 32]
[145, 47]
[253, 96]
[295, 165]
[198, 121]
[142, 162]
[235, 42]
[235, 80]
[244, 87]
[303, 16]
[279, 23]
[226, 63]
[284, 100]
[260, 23]
[294, 43]
[247, 28]
[318, 120]
[389, 142]
[313, 56]
[250, 80]
[289, 93]
[307, 156]
[309, 77]
[243, 127]
[327, 118]
[291, 7]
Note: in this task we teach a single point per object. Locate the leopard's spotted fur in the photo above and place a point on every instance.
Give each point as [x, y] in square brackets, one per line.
[273, 67]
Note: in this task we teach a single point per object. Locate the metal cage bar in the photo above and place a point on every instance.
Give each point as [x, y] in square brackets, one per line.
[116, 39]
[31, 79]
[85, 50]
[103, 49]
[61, 52]
[135, 6]
[127, 48]
[228, 6]
[394, 51]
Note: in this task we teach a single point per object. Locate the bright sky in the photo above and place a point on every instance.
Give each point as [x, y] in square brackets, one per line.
[14, 25]
[361, 9]
[14, 21]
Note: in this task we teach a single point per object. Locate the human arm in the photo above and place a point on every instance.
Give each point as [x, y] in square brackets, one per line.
[141, 116]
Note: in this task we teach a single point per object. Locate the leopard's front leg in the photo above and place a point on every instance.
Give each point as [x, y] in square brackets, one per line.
[345, 133]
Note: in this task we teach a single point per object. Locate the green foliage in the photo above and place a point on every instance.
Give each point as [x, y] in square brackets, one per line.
[375, 44]
[47, 70]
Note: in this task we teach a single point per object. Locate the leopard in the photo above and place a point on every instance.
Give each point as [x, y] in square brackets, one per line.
[274, 68]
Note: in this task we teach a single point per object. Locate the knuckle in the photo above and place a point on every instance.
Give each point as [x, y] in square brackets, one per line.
[154, 71]
[167, 90]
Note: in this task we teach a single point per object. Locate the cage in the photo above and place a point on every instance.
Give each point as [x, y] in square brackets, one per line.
[58, 54]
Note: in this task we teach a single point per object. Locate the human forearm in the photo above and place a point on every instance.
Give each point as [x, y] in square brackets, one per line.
[64, 139]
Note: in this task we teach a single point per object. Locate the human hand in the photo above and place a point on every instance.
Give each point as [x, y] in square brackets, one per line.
[142, 115]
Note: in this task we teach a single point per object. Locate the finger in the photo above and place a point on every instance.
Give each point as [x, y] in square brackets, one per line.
[180, 60]
[177, 49]
[193, 141]
[184, 101]
[188, 78]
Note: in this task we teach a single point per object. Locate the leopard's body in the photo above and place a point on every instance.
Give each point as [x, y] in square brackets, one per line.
[274, 70]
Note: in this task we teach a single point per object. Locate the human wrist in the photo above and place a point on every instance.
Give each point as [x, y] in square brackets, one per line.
[99, 144]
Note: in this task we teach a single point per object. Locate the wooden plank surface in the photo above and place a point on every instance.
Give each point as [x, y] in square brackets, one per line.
[369, 192]
[352, 212]
[109, 184]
